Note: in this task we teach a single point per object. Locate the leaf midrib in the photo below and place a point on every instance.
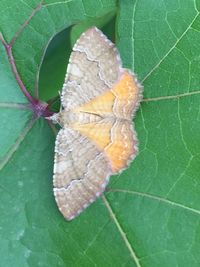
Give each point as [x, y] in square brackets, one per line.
[160, 199]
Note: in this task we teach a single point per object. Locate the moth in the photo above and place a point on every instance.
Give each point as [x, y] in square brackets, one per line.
[97, 137]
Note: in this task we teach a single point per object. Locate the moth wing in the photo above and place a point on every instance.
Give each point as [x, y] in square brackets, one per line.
[94, 67]
[115, 137]
[81, 172]
[121, 101]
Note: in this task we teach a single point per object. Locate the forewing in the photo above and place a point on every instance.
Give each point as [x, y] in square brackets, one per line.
[94, 67]
[121, 101]
[81, 172]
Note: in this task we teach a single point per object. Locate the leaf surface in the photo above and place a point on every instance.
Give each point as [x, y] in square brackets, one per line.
[150, 214]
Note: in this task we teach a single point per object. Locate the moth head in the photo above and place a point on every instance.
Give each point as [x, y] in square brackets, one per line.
[55, 118]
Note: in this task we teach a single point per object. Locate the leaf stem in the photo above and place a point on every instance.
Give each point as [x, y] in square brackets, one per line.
[18, 79]
[39, 108]
[8, 48]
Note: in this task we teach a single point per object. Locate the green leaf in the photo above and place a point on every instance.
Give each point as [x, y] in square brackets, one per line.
[150, 215]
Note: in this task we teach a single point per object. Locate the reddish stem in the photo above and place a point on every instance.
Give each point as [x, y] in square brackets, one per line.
[40, 109]
[18, 79]
[8, 48]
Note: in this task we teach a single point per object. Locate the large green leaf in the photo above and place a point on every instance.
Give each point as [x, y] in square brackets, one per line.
[150, 216]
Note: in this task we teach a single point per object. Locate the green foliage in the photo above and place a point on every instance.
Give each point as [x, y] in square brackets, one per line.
[150, 215]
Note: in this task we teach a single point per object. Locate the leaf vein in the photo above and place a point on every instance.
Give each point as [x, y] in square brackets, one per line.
[170, 96]
[161, 199]
[20, 139]
[26, 22]
[121, 231]
[181, 130]
[180, 177]
[171, 49]
[14, 105]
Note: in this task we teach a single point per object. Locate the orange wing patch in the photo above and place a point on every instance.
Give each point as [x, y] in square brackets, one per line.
[115, 138]
[123, 145]
[127, 95]
[101, 105]
[99, 133]
[118, 102]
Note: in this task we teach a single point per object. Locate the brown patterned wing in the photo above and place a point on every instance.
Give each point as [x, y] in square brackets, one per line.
[94, 67]
[81, 172]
